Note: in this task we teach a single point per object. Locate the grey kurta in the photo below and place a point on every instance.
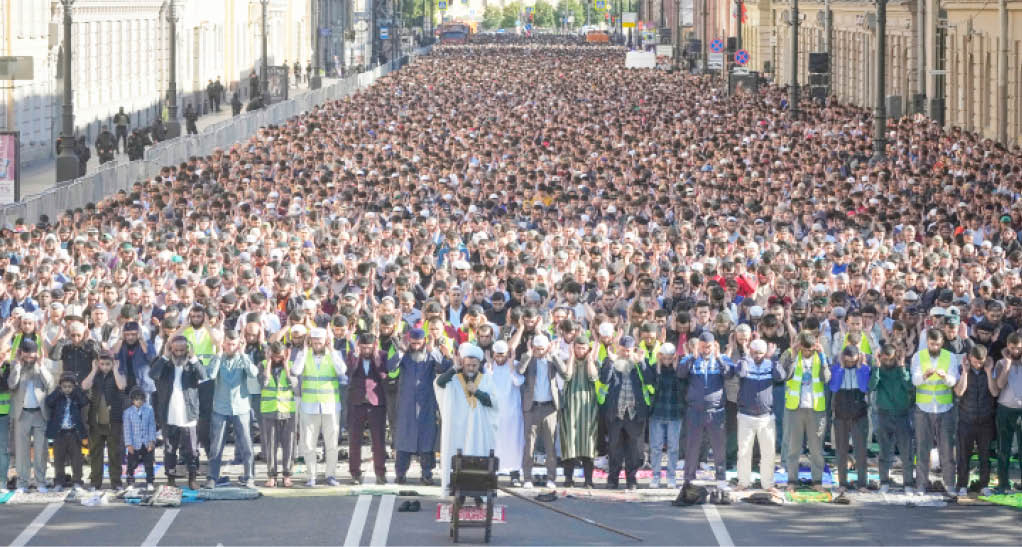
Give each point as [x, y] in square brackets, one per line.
[578, 420]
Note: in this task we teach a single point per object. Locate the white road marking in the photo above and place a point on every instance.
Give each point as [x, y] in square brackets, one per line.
[717, 525]
[383, 516]
[37, 523]
[162, 525]
[358, 521]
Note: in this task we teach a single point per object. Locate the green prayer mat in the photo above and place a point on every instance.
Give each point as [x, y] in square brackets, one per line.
[808, 496]
[1011, 500]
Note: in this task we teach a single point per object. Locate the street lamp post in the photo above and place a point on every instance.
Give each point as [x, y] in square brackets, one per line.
[315, 82]
[793, 88]
[738, 34]
[706, 36]
[173, 125]
[265, 80]
[67, 162]
[880, 107]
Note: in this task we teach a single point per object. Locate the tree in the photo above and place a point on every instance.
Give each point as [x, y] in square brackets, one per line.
[509, 15]
[543, 14]
[411, 12]
[571, 8]
[492, 18]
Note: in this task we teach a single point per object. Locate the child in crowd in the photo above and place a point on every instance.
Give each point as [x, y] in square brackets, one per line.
[140, 437]
[67, 429]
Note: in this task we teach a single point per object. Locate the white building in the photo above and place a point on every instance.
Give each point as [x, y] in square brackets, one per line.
[120, 57]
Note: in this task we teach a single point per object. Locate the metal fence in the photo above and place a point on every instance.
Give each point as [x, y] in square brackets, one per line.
[111, 178]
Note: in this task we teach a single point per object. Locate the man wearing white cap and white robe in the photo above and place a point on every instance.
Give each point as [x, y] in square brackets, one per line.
[468, 410]
[508, 395]
[319, 369]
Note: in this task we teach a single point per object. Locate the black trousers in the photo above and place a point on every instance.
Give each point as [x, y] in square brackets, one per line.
[975, 437]
[180, 444]
[67, 447]
[121, 134]
[109, 436]
[625, 446]
[148, 458]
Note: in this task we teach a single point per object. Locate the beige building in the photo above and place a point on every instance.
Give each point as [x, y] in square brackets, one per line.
[964, 72]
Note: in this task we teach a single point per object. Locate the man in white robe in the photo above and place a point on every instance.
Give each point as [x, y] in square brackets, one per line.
[510, 423]
[467, 410]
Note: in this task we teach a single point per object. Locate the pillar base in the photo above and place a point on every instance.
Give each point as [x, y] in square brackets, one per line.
[173, 129]
[67, 169]
[315, 82]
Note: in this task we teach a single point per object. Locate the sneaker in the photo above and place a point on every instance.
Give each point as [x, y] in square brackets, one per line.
[527, 485]
[962, 492]
[210, 484]
[986, 491]
[149, 487]
[42, 489]
[551, 485]
[654, 482]
[311, 483]
[250, 483]
[330, 481]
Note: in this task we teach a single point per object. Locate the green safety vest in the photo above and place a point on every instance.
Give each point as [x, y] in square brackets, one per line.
[934, 387]
[17, 342]
[792, 396]
[5, 403]
[277, 395]
[603, 389]
[650, 357]
[390, 355]
[863, 345]
[202, 344]
[319, 382]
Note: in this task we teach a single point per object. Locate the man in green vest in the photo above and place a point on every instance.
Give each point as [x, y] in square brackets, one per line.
[805, 370]
[5, 424]
[277, 408]
[934, 373]
[319, 370]
[204, 341]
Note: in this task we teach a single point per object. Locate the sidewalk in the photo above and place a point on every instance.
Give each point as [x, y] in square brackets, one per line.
[41, 176]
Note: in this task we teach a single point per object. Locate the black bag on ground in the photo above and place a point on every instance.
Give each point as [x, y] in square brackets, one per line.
[691, 494]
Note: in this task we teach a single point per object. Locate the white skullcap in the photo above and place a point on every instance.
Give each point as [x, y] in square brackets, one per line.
[606, 329]
[299, 330]
[318, 333]
[758, 345]
[756, 312]
[667, 349]
[540, 341]
[500, 346]
[470, 351]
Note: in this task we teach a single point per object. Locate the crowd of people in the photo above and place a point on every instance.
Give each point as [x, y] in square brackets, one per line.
[548, 253]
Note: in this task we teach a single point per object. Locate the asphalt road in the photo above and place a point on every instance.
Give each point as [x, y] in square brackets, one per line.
[298, 518]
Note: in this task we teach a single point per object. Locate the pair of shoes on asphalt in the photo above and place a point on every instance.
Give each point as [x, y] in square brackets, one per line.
[409, 506]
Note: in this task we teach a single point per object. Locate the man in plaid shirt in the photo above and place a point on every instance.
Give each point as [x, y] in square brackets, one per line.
[140, 437]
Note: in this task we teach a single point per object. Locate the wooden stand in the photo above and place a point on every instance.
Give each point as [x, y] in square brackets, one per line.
[473, 477]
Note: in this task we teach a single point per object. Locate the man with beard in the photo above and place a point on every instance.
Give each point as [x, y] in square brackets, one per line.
[367, 407]
[76, 351]
[934, 372]
[232, 373]
[467, 410]
[105, 386]
[277, 409]
[320, 370]
[416, 426]
[177, 379]
[977, 399]
[578, 422]
[133, 358]
[391, 346]
[543, 370]
[204, 341]
[255, 349]
[625, 386]
[805, 370]
[1009, 407]
[30, 382]
[705, 368]
[507, 395]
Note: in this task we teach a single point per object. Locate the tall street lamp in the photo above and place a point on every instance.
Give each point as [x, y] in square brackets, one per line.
[173, 125]
[266, 69]
[880, 107]
[315, 82]
[67, 162]
[793, 88]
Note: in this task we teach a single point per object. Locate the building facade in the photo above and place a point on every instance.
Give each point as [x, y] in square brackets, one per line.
[121, 53]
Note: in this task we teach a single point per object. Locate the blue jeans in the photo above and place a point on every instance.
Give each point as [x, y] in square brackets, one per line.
[663, 432]
[242, 444]
[5, 457]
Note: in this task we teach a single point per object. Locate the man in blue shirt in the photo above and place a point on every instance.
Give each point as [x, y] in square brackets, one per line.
[705, 369]
[233, 373]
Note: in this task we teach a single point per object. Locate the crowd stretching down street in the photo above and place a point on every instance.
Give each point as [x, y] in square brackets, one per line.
[534, 250]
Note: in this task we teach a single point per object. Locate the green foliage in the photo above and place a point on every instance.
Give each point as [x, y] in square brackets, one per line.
[411, 12]
[492, 18]
[509, 15]
[543, 14]
[568, 8]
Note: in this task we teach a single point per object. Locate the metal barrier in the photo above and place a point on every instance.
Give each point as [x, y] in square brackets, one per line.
[111, 178]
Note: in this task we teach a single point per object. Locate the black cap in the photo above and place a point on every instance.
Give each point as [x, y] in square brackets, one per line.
[28, 346]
